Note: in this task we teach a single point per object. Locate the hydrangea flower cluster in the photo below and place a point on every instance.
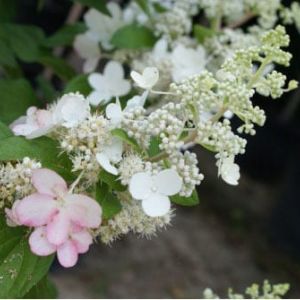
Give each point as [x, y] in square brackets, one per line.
[255, 291]
[61, 219]
[129, 139]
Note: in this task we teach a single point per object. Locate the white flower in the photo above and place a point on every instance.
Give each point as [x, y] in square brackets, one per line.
[136, 101]
[187, 62]
[229, 171]
[148, 79]
[133, 13]
[36, 123]
[70, 110]
[160, 51]
[114, 111]
[102, 26]
[100, 31]
[87, 47]
[108, 85]
[154, 190]
[110, 155]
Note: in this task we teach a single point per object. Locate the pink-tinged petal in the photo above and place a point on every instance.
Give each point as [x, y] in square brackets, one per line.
[24, 129]
[82, 240]
[83, 211]
[58, 229]
[19, 121]
[44, 118]
[39, 244]
[11, 215]
[168, 182]
[140, 185]
[35, 210]
[156, 205]
[48, 182]
[67, 254]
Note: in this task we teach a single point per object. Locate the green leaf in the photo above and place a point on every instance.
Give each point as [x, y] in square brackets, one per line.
[65, 35]
[133, 36]
[79, 84]
[209, 147]
[5, 132]
[110, 203]
[8, 10]
[201, 33]
[59, 66]
[144, 5]
[7, 58]
[112, 181]
[186, 201]
[98, 4]
[122, 134]
[20, 269]
[24, 40]
[44, 289]
[154, 146]
[15, 97]
[43, 149]
[159, 8]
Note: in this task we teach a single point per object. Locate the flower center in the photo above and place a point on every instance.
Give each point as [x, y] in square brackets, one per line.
[154, 189]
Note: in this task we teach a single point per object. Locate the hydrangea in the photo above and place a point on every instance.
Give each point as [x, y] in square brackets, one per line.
[266, 291]
[36, 123]
[187, 62]
[134, 157]
[61, 219]
[108, 85]
[229, 171]
[115, 113]
[87, 47]
[147, 80]
[153, 190]
[111, 154]
[78, 242]
[69, 111]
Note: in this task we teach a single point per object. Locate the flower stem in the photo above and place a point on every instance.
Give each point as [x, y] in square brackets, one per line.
[247, 17]
[74, 184]
[216, 23]
[258, 73]
[162, 93]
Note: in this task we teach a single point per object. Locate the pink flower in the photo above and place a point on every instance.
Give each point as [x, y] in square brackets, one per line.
[78, 242]
[36, 123]
[57, 211]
